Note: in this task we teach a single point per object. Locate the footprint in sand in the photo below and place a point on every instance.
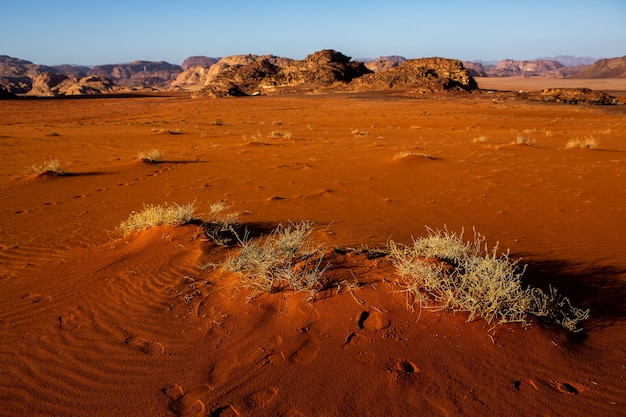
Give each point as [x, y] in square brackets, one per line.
[307, 345]
[403, 369]
[372, 321]
[259, 399]
[37, 298]
[146, 346]
[567, 388]
[69, 321]
[187, 404]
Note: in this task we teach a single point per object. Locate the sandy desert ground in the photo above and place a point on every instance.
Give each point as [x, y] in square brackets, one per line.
[94, 323]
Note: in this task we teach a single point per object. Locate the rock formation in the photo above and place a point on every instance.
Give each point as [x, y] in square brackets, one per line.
[198, 61]
[420, 75]
[323, 69]
[604, 68]
[384, 63]
[139, 74]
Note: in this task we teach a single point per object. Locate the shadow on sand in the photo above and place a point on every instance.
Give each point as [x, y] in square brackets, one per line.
[600, 288]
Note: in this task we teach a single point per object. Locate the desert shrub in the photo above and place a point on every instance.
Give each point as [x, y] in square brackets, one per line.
[280, 134]
[412, 154]
[157, 215]
[480, 139]
[286, 258]
[442, 271]
[51, 166]
[587, 142]
[221, 226]
[152, 156]
[521, 140]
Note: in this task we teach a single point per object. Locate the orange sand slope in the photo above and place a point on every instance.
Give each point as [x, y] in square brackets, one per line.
[94, 323]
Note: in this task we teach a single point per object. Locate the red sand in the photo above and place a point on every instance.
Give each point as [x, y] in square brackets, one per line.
[95, 324]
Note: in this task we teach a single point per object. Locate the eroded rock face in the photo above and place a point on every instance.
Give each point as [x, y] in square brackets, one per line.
[47, 85]
[139, 74]
[420, 75]
[198, 61]
[321, 69]
[384, 63]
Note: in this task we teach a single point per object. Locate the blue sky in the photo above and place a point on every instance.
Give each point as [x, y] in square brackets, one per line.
[82, 32]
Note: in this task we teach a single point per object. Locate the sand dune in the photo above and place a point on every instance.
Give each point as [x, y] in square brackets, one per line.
[94, 323]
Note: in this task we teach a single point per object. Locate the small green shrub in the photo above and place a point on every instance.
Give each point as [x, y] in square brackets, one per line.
[157, 215]
[442, 271]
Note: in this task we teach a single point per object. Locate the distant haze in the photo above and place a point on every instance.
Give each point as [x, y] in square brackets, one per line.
[72, 32]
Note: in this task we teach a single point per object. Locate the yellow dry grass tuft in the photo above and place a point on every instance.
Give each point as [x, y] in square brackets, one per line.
[157, 215]
[51, 166]
[443, 272]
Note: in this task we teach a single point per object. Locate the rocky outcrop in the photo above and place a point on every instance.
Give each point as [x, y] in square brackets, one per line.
[47, 85]
[6, 94]
[198, 61]
[92, 84]
[384, 63]
[575, 96]
[17, 75]
[257, 75]
[56, 85]
[534, 68]
[139, 74]
[420, 75]
[604, 68]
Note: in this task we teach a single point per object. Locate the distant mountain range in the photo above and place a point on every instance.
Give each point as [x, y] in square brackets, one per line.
[21, 77]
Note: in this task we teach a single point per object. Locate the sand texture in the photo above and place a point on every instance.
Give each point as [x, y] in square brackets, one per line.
[96, 323]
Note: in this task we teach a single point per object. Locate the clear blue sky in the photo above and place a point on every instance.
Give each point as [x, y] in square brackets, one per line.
[84, 32]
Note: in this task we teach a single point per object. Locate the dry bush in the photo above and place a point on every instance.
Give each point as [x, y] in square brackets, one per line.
[412, 154]
[157, 215]
[286, 258]
[480, 139]
[442, 271]
[51, 166]
[280, 134]
[152, 156]
[521, 140]
[587, 142]
[221, 225]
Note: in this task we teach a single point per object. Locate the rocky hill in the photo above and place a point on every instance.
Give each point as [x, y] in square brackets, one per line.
[197, 77]
[17, 75]
[420, 75]
[323, 69]
[542, 67]
[139, 74]
[383, 63]
[198, 61]
[604, 68]
[55, 85]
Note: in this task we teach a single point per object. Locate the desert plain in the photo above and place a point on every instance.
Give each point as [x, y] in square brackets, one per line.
[148, 324]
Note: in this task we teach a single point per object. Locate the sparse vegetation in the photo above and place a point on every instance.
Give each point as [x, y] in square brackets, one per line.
[444, 272]
[521, 140]
[157, 215]
[587, 142]
[51, 166]
[286, 258]
[220, 227]
[480, 139]
[412, 154]
[280, 134]
[152, 156]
